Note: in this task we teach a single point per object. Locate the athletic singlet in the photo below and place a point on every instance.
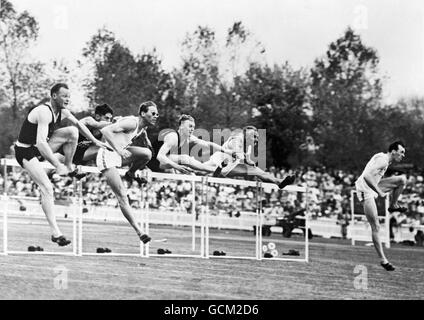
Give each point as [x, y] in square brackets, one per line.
[82, 139]
[360, 182]
[134, 134]
[185, 148]
[28, 133]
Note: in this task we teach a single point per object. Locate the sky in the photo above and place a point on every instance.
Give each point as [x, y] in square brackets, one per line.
[297, 31]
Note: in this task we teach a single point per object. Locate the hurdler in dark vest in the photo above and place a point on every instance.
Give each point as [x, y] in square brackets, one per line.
[25, 147]
[28, 133]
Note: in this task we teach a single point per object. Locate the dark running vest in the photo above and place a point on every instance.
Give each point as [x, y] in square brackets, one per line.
[28, 133]
[184, 149]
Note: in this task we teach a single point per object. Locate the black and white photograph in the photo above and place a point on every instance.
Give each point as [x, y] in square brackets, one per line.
[212, 155]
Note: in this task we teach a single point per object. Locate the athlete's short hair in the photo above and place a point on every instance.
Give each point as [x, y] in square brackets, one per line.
[56, 88]
[144, 107]
[185, 117]
[395, 145]
[103, 109]
[251, 128]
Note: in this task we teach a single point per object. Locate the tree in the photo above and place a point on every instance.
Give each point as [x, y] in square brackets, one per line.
[124, 81]
[345, 88]
[18, 31]
[198, 79]
[93, 55]
[209, 70]
[278, 98]
[404, 121]
[240, 52]
[23, 82]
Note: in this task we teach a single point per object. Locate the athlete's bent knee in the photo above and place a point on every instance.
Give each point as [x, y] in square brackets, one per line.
[402, 180]
[148, 154]
[72, 133]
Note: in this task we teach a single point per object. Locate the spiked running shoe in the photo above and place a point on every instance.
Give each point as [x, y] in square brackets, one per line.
[61, 241]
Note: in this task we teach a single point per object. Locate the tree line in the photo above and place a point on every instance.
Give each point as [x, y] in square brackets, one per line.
[331, 114]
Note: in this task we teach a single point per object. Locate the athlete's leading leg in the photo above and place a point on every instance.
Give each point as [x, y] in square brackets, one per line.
[66, 138]
[140, 156]
[247, 170]
[397, 185]
[113, 179]
[191, 162]
[90, 154]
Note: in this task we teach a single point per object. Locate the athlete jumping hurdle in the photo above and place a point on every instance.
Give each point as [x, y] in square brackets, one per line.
[40, 139]
[120, 136]
[371, 185]
[173, 149]
[86, 150]
[243, 166]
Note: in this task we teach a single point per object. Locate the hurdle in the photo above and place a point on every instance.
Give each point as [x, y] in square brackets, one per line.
[364, 234]
[259, 219]
[305, 191]
[146, 214]
[204, 217]
[79, 206]
[6, 200]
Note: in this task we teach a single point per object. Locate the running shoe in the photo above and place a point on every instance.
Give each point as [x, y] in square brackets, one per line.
[388, 266]
[287, 181]
[61, 241]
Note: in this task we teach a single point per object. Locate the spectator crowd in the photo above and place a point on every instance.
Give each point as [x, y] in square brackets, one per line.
[329, 194]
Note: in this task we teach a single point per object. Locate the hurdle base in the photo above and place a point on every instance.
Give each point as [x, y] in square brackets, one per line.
[175, 255]
[111, 254]
[286, 259]
[232, 257]
[40, 253]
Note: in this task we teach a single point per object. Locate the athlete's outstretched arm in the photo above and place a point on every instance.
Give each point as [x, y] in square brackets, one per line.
[215, 146]
[81, 126]
[90, 121]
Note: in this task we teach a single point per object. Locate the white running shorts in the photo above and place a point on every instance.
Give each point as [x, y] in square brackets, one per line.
[107, 159]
